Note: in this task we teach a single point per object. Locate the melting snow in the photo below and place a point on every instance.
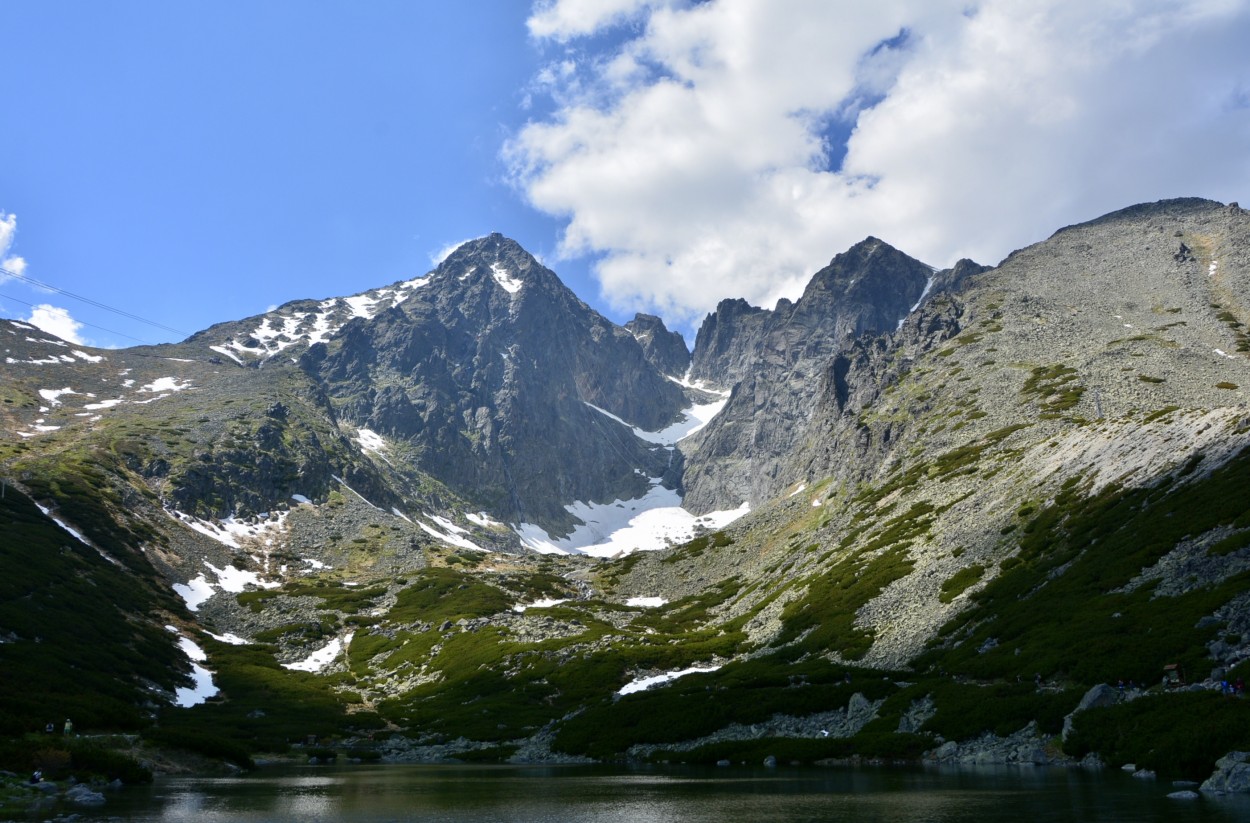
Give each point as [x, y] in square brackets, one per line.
[227, 353]
[482, 519]
[449, 536]
[371, 441]
[53, 395]
[505, 279]
[105, 404]
[232, 639]
[90, 358]
[204, 687]
[353, 491]
[642, 684]
[927, 286]
[165, 384]
[235, 580]
[321, 658]
[49, 361]
[299, 498]
[692, 420]
[545, 603]
[651, 522]
[280, 331]
[646, 602]
[194, 592]
[230, 530]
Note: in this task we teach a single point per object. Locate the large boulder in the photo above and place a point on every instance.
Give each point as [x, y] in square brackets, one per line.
[1232, 774]
[1097, 697]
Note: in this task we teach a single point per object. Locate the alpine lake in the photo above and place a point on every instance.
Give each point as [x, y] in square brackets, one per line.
[604, 794]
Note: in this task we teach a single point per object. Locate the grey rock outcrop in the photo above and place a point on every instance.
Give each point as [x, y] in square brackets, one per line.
[1097, 697]
[1232, 774]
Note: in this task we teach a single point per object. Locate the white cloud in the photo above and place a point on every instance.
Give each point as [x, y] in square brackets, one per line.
[56, 320]
[565, 19]
[702, 153]
[443, 253]
[15, 264]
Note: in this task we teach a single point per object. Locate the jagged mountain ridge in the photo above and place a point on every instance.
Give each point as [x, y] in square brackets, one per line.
[1040, 473]
[776, 361]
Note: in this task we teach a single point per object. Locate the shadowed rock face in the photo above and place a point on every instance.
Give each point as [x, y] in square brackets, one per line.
[779, 361]
[664, 349]
[489, 371]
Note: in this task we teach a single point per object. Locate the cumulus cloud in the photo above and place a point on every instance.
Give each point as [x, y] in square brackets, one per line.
[15, 264]
[56, 320]
[730, 147]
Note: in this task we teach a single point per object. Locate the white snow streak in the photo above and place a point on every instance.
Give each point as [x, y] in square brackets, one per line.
[642, 684]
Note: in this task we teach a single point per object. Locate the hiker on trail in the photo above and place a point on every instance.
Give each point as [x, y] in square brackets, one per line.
[69, 727]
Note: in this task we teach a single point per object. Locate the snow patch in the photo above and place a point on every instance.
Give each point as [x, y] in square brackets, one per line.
[644, 683]
[505, 279]
[321, 658]
[232, 639]
[648, 523]
[235, 580]
[204, 687]
[692, 420]
[299, 498]
[449, 537]
[194, 592]
[482, 519]
[372, 442]
[646, 602]
[230, 531]
[53, 396]
[545, 603]
[227, 353]
[165, 384]
[927, 286]
[1223, 353]
[90, 358]
[105, 404]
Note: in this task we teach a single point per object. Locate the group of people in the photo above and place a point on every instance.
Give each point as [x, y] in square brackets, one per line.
[1237, 687]
[69, 727]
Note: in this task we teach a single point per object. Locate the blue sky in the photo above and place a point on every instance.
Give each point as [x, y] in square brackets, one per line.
[193, 163]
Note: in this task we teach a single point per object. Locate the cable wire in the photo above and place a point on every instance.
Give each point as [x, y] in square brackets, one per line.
[89, 301]
[92, 325]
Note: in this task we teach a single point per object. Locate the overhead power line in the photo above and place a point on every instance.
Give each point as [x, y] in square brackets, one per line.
[92, 325]
[32, 281]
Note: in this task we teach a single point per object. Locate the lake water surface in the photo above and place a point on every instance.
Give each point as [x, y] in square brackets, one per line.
[531, 794]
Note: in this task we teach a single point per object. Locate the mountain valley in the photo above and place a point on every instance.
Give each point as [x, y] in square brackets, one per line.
[911, 514]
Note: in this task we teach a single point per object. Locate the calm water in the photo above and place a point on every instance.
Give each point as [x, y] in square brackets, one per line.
[369, 794]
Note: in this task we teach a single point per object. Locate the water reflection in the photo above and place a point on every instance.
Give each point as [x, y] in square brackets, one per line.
[382, 794]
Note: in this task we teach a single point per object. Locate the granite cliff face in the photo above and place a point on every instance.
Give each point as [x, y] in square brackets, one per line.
[777, 361]
[664, 349]
[497, 378]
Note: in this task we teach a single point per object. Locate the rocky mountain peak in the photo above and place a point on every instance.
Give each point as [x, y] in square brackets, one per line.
[501, 258]
[664, 349]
